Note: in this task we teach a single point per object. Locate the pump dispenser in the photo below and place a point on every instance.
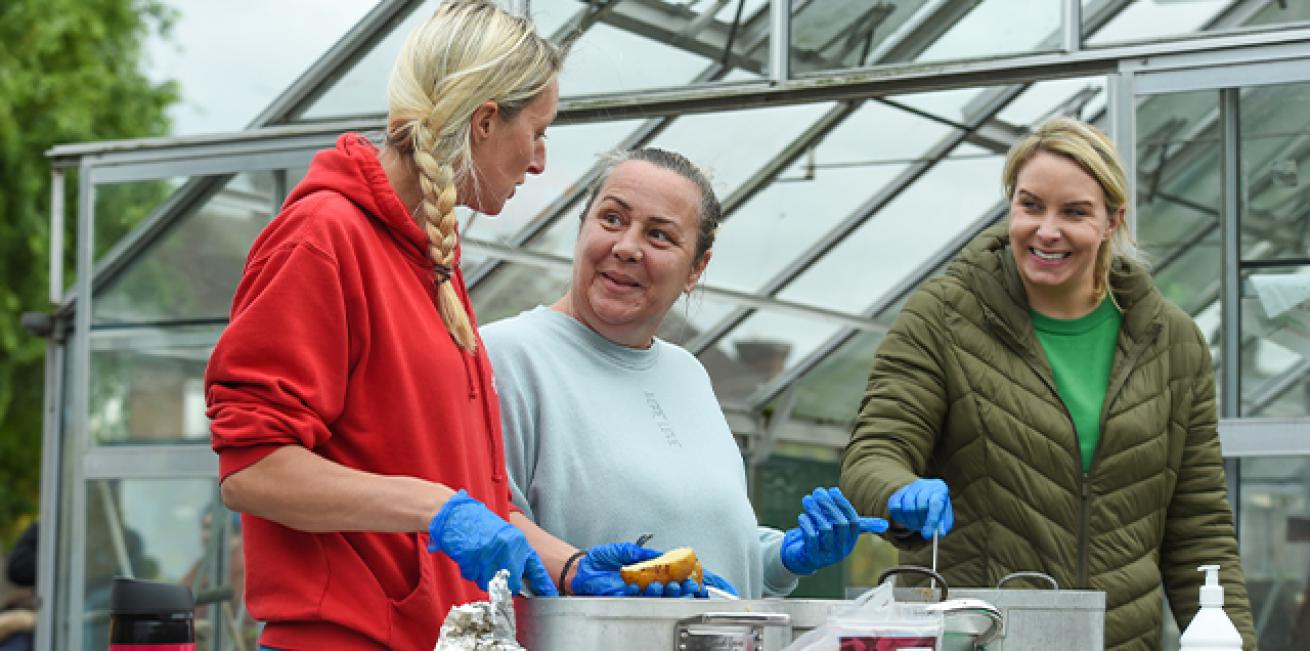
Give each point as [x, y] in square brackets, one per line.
[1211, 630]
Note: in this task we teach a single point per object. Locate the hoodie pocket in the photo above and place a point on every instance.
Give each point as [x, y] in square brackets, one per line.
[414, 620]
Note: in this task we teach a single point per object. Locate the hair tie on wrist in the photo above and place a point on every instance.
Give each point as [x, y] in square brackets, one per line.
[563, 574]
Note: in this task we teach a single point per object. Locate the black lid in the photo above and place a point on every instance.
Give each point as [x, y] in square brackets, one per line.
[133, 597]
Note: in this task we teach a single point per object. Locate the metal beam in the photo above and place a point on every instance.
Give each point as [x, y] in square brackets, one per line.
[1264, 437]
[779, 41]
[52, 451]
[852, 84]
[916, 77]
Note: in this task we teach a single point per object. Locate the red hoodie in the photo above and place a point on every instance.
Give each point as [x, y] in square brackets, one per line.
[335, 344]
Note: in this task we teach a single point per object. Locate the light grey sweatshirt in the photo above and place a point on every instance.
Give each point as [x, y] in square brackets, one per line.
[605, 443]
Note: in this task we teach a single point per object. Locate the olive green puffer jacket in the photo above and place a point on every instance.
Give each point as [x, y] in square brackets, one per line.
[961, 389]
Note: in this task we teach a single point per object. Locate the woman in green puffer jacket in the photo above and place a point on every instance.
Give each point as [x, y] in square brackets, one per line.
[1044, 405]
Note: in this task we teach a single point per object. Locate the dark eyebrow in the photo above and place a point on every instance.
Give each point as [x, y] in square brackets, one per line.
[610, 197]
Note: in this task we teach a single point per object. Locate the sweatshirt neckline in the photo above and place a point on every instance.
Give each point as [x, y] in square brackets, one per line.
[637, 359]
[1080, 325]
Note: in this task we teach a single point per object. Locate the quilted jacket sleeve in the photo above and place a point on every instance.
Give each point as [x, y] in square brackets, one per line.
[1199, 529]
[902, 411]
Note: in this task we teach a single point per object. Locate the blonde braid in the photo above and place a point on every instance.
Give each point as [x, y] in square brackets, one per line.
[437, 183]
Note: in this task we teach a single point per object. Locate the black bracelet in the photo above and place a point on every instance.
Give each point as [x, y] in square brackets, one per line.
[565, 572]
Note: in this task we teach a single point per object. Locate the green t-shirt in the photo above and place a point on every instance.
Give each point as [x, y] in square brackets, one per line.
[1080, 352]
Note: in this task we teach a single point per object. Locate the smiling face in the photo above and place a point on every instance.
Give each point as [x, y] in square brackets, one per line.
[506, 151]
[636, 253]
[1058, 224]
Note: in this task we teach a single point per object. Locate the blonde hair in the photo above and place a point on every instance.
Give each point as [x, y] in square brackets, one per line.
[469, 52]
[1093, 151]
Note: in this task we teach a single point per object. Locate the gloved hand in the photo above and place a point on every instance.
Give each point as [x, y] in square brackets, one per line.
[482, 543]
[828, 531]
[598, 574]
[925, 505]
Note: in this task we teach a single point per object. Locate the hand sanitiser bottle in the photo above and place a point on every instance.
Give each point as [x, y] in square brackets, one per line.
[1211, 630]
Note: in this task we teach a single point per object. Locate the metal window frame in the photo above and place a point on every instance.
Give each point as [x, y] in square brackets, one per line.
[1281, 63]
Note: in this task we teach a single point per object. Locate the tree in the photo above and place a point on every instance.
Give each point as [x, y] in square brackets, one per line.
[69, 72]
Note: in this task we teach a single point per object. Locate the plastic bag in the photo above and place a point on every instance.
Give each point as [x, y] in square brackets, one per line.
[875, 621]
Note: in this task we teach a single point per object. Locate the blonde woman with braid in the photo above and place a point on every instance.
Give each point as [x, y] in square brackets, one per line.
[351, 402]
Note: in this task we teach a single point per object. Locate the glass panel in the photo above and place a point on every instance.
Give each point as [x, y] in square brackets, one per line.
[162, 530]
[692, 315]
[727, 145]
[514, 288]
[830, 393]
[224, 87]
[609, 59]
[147, 384]
[120, 207]
[1281, 13]
[760, 350]
[1178, 195]
[997, 27]
[362, 90]
[858, 157]
[955, 106]
[572, 150]
[902, 235]
[1080, 97]
[834, 35]
[1275, 147]
[1274, 532]
[1276, 342]
[191, 270]
[1152, 19]
[633, 46]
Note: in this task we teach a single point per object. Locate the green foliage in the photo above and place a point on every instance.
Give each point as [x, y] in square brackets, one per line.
[69, 72]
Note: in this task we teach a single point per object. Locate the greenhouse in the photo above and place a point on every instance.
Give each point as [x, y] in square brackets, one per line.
[856, 146]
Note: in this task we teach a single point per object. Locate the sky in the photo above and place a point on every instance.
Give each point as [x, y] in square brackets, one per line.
[232, 58]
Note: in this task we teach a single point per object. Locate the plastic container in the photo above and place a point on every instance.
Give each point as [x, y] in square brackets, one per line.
[146, 616]
[1211, 630]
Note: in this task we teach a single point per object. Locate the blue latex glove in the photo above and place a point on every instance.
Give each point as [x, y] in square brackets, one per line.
[923, 505]
[482, 543]
[598, 574]
[828, 531]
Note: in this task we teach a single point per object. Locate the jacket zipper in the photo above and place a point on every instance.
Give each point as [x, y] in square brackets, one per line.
[1118, 375]
[1084, 483]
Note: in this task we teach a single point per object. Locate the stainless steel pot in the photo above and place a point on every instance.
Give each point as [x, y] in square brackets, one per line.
[1069, 620]
[581, 623]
